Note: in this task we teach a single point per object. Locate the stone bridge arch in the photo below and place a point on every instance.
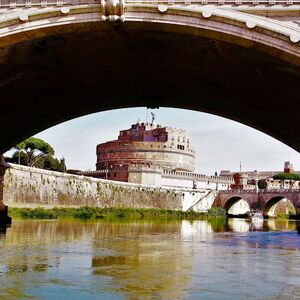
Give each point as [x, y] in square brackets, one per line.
[231, 200]
[271, 201]
[70, 58]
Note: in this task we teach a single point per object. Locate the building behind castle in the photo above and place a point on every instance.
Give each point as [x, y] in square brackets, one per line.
[247, 180]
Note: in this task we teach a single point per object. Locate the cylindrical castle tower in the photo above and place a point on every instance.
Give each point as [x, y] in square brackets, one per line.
[145, 144]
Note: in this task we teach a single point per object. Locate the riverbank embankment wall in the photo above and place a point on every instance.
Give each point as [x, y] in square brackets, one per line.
[32, 187]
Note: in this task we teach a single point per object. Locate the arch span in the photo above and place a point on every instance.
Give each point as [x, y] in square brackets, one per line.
[237, 205]
[270, 205]
[58, 63]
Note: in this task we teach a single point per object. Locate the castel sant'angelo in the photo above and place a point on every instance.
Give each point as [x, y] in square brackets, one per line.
[152, 154]
[145, 148]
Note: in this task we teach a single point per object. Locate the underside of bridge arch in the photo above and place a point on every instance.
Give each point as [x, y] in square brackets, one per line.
[236, 205]
[279, 204]
[57, 74]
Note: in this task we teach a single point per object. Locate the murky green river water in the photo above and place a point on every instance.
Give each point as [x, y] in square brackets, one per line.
[144, 260]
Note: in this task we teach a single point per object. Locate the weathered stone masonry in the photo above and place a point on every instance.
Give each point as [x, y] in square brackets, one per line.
[31, 187]
[3, 167]
[5, 220]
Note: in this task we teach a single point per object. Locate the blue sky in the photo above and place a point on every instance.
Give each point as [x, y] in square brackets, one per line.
[219, 143]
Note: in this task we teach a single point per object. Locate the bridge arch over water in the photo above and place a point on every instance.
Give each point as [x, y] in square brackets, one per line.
[270, 205]
[64, 59]
[237, 205]
[262, 200]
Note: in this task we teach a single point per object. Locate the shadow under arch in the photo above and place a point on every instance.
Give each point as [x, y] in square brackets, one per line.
[231, 201]
[51, 74]
[273, 201]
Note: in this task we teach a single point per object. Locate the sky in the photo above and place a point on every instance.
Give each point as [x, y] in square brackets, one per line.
[220, 144]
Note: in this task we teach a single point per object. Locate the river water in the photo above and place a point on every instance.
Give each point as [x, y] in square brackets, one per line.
[150, 260]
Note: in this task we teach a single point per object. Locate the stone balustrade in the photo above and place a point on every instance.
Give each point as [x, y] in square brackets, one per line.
[198, 177]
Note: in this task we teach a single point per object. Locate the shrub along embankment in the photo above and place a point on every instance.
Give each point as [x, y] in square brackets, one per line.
[94, 213]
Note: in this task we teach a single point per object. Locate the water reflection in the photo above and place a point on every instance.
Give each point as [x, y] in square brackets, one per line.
[239, 225]
[141, 260]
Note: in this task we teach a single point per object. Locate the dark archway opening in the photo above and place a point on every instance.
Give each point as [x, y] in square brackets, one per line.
[280, 207]
[237, 207]
[98, 67]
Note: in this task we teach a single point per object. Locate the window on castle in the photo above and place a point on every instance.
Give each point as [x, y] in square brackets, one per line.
[181, 147]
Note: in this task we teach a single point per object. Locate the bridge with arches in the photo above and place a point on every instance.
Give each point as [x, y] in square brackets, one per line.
[263, 200]
[61, 59]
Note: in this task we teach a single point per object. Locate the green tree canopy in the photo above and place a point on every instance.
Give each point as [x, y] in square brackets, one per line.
[262, 184]
[54, 164]
[34, 149]
[289, 176]
[38, 153]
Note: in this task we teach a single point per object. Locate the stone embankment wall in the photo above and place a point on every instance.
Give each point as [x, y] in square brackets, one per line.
[31, 187]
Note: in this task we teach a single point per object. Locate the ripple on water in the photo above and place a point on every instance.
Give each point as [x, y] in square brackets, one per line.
[147, 261]
[274, 240]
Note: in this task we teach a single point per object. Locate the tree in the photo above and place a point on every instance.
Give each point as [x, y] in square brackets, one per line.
[35, 149]
[54, 164]
[36, 152]
[17, 157]
[262, 184]
[289, 176]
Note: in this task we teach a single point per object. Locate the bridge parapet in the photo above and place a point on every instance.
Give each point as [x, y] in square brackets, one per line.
[238, 191]
[272, 191]
[280, 191]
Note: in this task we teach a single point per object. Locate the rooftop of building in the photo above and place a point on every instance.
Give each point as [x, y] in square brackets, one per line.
[288, 168]
[152, 132]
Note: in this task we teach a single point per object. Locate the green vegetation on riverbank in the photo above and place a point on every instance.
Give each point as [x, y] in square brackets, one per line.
[94, 213]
